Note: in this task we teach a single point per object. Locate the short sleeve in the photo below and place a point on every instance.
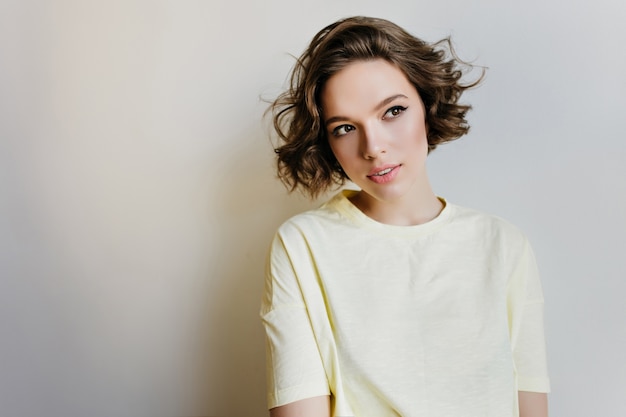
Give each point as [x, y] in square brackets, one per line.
[294, 366]
[525, 309]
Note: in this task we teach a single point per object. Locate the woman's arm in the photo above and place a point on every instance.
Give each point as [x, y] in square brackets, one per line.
[533, 404]
[311, 407]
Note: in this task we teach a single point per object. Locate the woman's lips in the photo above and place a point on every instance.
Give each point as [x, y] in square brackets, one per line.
[383, 174]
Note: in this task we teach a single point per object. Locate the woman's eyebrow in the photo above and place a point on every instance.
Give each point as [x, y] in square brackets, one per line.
[389, 100]
[378, 107]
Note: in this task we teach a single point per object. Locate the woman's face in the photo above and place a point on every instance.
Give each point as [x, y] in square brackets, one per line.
[376, 129]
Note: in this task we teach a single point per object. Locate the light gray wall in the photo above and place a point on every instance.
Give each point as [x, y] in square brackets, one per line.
[138, 198]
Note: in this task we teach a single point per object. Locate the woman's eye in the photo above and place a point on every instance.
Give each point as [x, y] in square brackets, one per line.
[342, 130]
[395, 111]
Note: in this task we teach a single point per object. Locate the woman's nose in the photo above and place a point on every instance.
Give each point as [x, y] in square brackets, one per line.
[372, 143]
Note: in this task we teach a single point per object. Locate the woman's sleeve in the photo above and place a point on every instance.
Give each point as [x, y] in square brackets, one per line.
[294, 366]
[525, 309]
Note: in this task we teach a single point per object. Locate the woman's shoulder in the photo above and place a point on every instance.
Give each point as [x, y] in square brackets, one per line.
[331, 213]
[486, 223]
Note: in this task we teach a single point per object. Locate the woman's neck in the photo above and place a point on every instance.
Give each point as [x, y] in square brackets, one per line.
[407, 211]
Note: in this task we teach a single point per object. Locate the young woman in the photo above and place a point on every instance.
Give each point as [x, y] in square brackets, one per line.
[389, 300]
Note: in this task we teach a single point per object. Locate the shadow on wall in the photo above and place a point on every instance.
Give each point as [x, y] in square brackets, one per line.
[250, 203]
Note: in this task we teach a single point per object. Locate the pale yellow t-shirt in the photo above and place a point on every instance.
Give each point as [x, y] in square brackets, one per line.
[443, 319]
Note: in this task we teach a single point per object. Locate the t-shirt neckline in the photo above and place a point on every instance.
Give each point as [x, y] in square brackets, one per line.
[342, 203]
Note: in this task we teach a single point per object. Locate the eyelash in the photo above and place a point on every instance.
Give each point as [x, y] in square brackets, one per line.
[347, 129]
[398, 110]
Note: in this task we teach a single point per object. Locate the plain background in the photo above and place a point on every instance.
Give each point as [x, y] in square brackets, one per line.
[138, 197]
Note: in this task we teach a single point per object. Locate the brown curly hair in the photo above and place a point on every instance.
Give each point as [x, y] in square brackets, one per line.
[304, 159]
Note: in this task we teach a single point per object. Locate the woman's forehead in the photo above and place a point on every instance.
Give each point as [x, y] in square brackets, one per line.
[365, 84]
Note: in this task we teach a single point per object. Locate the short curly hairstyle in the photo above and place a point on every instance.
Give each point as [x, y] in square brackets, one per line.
[304, 157]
